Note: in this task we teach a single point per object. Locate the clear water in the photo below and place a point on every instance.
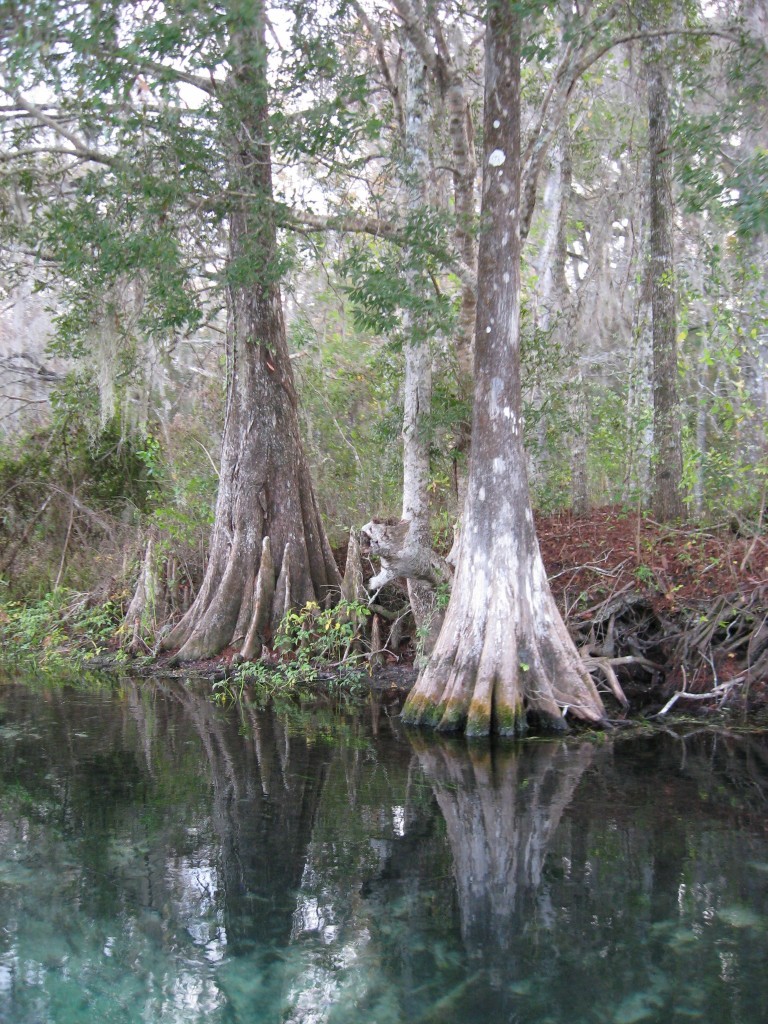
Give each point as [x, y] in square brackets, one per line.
[166, 860]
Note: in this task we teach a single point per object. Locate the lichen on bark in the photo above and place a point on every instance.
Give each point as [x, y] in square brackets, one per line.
[504, 657]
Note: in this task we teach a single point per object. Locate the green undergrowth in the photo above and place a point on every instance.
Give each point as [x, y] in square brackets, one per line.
[263, 685]
[321, 652]
[317, 652]
[61, 631]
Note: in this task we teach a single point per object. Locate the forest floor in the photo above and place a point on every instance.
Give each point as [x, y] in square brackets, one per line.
[669, 609]
[663, 615]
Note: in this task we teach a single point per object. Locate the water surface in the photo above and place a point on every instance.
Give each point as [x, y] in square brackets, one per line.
[166, 860]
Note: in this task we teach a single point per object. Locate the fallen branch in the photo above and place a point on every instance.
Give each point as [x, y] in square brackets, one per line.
[721, 691]
[604, 665]
[592, 567]
[629, 659]
[388, 613]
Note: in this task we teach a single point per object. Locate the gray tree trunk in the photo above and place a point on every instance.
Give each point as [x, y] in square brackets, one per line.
[755, 360]
[667, 501]
[417, 386]
[560, 314]
[503, 653]
[265, 487]
[639, 431]
[424, 31]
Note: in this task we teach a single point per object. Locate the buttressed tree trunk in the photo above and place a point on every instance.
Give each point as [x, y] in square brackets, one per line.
[504, 653]
[265, 487]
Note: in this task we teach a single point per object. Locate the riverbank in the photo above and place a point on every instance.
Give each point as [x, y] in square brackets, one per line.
[667, 618]
[677, 614]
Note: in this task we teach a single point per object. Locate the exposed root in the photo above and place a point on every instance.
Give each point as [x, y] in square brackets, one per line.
[484, 678]
[716, 649]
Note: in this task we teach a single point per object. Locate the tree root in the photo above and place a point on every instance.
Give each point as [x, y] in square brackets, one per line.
[718, 650]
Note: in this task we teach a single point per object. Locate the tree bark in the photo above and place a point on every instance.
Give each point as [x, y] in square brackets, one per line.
[504, 654]
[578, 400]
[424, 32]
[755, 358]
[265, 488]
[668, 454]
[559, 318]
[417, 386]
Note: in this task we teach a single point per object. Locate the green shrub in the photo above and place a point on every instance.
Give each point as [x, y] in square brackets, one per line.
[61, 629]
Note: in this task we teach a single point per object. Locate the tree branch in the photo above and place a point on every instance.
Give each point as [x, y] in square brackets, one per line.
[379, 42]
[414, 25]
[206, 85]
[81, 149]
[7, 158]
[345, 223]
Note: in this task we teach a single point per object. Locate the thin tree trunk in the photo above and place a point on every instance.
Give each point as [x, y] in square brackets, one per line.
[447, 77]
[755, 358]
[503, 653]
[578, 401]
[559, 319]
[464, 162]
[265, 487]
[417, 387]
[639, 429]
[668, 455]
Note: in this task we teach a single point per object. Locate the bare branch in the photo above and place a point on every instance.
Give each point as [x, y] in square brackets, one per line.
[206, 85]
[696, 33]
[81, 149]
[719, 692]
[17, 154]
[379, 42]
[345, 223]
[415, 28]
[377, 227]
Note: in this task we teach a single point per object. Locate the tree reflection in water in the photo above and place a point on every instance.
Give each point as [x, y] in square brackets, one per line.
[163, 859]
[266, 784]
[501, 806]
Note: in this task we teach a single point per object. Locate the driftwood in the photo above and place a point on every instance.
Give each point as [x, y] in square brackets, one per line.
[720, 693]
[402, 555]
[353, 591]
